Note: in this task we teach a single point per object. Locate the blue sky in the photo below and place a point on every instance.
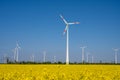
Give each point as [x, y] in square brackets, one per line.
[37, 26]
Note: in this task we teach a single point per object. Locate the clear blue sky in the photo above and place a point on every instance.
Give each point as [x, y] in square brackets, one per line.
[37, 26]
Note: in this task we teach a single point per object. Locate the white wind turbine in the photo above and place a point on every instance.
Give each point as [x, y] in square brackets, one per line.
[83, 52]
[54, 59]
[32, 58]
[67, 30]
[92, 59]
[44, 56]
[14, 50]
[17, 51]
[116, 50]
[88, 57]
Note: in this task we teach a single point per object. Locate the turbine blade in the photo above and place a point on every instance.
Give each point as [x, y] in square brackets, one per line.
[65, 30]
[74, 23]
[63, 19]
[77, 22]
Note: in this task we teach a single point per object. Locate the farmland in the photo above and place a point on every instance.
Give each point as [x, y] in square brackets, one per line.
[59, 72]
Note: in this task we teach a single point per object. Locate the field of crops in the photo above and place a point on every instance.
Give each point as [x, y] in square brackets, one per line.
[59, 72]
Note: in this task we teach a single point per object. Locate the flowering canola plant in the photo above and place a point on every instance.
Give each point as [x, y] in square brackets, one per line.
[59, 72]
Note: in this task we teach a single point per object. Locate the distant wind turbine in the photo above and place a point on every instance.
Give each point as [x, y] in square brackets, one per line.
[17, 51]
[44, 56]
[83, 53]
[92, 59]
[67, 30]
[116, 50]
[32, 58]
[54, 59]
[88, 57]
[14, 51]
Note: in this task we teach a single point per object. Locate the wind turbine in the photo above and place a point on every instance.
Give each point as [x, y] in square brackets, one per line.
[32, 58]
[67, 30]
[17, 51]
[83, 53]
[54, 59]
[44, 56]
[92, 59]
[88, 57]
[14, 51]
[116, 50]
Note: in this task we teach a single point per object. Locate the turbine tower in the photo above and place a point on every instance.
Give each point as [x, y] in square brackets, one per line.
[83, 53]
[67, 42]
[116, 50]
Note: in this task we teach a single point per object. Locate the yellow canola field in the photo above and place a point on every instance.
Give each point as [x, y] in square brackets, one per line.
[59, 72]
